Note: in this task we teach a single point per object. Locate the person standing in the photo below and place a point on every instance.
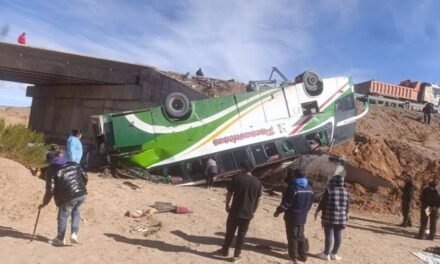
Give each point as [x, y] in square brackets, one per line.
[296, 203]
[407, 197]
[66, 182]
[211, 171]
[334, 205]
[427, 111]
[245, 190]
[74, 147]
[430, 199]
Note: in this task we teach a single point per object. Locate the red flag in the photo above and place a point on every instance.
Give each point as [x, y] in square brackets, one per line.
[22, 39]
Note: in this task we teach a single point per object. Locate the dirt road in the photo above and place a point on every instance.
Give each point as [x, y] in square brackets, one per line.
[106, 235]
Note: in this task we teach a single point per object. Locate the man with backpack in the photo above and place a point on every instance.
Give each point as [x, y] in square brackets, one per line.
[296, 203]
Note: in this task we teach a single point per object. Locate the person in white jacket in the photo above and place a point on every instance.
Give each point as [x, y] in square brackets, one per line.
[74, 148]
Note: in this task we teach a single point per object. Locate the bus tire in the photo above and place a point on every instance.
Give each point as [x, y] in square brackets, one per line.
[177, 105]
[312, 83]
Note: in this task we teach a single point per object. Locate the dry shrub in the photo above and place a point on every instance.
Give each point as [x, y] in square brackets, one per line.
[21, 144]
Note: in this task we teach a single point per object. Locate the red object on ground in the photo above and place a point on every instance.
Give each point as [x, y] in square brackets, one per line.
[176, 180]
[22, 39]
[182, 210]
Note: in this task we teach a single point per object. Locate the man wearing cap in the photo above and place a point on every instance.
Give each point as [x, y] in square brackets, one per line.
[66, 182]
[296, 203]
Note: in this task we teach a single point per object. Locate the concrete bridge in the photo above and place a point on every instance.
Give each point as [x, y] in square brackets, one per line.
[66, 89]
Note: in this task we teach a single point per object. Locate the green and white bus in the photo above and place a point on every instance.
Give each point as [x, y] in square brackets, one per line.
[269, 123]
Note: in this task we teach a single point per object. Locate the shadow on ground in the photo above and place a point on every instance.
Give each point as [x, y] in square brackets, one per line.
[10, 232]
[162, 246]
[262, 246]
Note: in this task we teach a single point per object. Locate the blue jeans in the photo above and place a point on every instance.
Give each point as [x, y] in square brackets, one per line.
[330, 232]
[71, 207]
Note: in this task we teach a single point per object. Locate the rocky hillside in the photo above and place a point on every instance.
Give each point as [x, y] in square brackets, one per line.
[389, 142]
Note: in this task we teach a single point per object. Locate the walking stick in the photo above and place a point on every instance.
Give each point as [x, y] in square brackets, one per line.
[36, 223]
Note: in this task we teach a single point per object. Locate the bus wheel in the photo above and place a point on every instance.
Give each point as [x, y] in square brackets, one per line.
[312, 83]
[177, 105]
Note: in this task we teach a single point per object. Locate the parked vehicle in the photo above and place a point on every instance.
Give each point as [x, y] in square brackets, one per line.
[406, 93]
[270, 123]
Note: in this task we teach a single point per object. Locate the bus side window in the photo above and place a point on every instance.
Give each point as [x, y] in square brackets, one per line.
[195, 169]
[227, 161]
[240, 155]
[287, 147]
[258, 154]
[271, 151]
[345, 103]
[323, 136]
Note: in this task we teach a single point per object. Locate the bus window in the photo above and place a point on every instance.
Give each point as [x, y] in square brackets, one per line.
[346, 103]
[287, 147]
[227, 161]
[323, 137]
[258, 154]
[271, 151]
[240, 155]
[195, 169]
[300, 144]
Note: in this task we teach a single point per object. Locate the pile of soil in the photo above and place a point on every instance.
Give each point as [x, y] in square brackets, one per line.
[390, 142]
[209, 86]
[20, 190]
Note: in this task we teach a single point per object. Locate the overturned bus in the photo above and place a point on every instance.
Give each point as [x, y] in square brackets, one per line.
[271, 123]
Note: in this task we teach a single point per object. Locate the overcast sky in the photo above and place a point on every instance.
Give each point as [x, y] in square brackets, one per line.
[366, 39]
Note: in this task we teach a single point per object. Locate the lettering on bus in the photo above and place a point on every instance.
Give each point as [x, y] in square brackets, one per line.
[244, 135]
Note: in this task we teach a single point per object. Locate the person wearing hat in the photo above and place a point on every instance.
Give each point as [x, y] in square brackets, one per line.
[334, 206]
[407, 197]
[295, 204]
[66, 182]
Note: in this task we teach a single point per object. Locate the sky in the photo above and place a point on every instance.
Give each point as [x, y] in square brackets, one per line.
[367, 39]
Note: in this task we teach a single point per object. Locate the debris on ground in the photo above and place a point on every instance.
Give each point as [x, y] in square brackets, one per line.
[141, 212]
[428, 258]
[149, 230]
[165, 207]
[131, 185]
[210, 86]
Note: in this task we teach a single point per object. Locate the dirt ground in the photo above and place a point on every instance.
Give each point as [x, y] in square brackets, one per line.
[15, 115]
[107, 236]
[389, 142]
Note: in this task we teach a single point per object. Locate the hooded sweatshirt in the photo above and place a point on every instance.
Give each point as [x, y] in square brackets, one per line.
[296, 202]
[74, 149]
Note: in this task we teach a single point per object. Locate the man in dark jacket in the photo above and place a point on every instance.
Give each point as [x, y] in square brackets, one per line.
[66, 182]
[429, 198]
[296, 203]
[427, 111]
[245, 189]
[407, 196]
